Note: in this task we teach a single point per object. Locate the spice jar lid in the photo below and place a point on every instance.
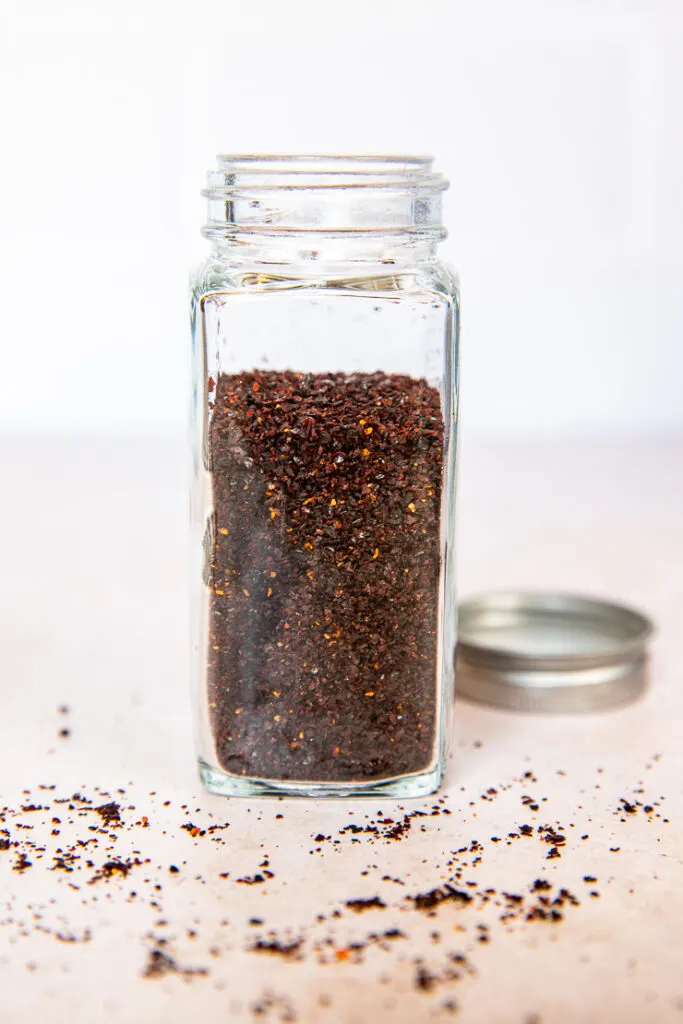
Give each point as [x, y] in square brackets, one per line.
[551, 652]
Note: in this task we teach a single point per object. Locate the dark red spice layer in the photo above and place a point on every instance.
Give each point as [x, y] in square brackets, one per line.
[324, 571]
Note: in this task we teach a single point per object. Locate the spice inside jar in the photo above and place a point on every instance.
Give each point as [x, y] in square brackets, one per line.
[324, 574]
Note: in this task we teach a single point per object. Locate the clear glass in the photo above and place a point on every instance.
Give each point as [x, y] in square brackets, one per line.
[325, 342]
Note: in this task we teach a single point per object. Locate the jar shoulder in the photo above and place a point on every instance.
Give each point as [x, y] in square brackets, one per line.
[431, 277]
[442, 278]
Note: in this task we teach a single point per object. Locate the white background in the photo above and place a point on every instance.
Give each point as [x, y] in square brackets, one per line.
[559, 125]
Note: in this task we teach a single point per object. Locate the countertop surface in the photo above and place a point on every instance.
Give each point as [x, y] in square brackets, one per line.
[543, 885]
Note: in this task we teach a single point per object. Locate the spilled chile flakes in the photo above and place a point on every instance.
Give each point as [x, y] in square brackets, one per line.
[324, 566]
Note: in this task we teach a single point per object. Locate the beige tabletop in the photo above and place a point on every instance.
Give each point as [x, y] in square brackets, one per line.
[544, 885]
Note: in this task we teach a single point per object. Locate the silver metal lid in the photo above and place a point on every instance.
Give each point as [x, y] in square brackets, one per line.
[551, 652]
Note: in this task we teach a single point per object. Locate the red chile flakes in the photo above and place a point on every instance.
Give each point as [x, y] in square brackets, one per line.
[539, 904]
[424, 979]
[114, 867]
[431, 899]
[22, 863]
[289, 950]
[324, 566]
[194, 830]
[375, 903]
[159, 964]
[109, 813]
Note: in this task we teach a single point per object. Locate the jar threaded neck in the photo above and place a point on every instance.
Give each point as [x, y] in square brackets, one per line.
[324, 194]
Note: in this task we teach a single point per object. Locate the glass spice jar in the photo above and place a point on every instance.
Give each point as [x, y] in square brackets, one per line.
[325, 341]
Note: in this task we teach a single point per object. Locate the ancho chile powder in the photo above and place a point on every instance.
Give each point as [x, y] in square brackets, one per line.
[324, 568]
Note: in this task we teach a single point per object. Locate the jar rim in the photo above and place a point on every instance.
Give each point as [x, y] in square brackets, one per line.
[241, 173]
[250, 159]
[333, 193]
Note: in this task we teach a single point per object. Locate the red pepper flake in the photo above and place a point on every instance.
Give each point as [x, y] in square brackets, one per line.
[194, 830]
[289, 950]
[159, 964]
[431, 899]
[109, 813]
[114, 867]
[374, 903]
[22, 863]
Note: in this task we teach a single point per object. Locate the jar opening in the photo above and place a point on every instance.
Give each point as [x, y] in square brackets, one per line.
[327, 194]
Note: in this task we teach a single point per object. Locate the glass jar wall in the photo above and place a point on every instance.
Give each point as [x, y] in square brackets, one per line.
[325, 394]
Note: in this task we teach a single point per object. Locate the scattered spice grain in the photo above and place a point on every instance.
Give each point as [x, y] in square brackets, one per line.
[375, 903]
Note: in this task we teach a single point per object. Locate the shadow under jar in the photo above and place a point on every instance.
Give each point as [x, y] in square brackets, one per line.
[325, 393]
